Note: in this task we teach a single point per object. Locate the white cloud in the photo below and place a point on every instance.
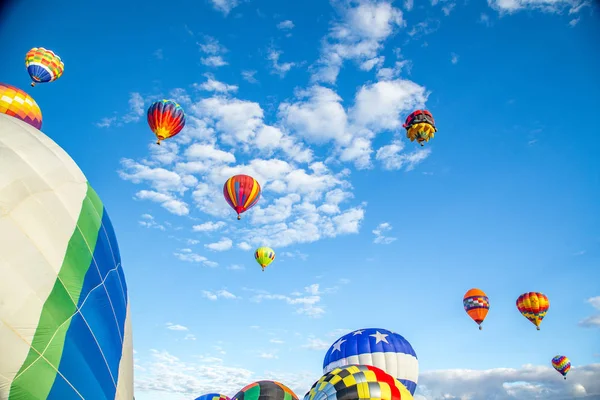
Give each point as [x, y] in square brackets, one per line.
[392, 158]
[285, 25]
[213, 49]
[135, 113]
[268, 356]
[278, 68]
[208, 226]
[222, 245]
[454, 58]
[236, 267]
[380, 231]
[213, 61]
[148, 221]
[594, 320]
[249, 76]
[552, 6]
[244, 246]
[359, 36]
[176, 327]
[189, 256]
[219, 294]
[159, 54]
[225, 6]
[316, 344]
[485, 19]
[526, 383]
[212, 85]
[276, 341]
[307, 304]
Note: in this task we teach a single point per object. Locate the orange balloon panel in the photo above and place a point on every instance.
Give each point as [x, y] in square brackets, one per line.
[476, 304]
[18, 104]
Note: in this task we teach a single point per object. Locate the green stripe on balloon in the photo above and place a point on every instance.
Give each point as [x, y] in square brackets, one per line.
[36, 376]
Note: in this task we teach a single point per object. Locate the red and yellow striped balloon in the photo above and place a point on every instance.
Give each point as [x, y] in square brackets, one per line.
[18, 104]
[241, 193]
[533, 306]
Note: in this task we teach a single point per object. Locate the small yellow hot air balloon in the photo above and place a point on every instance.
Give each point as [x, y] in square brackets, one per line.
[264, 256]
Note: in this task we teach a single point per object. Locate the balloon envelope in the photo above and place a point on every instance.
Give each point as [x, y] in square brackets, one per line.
[358, 382]
[265, 390]
[166, 119]
[213, 396]
[18, 104]
[264, 256]
[533, 306]
[380, 348]
[476, 304]
[241, 192]
[65, 331]
[561, 364]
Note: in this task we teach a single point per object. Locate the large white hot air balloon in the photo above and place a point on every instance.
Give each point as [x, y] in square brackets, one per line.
[65, 330]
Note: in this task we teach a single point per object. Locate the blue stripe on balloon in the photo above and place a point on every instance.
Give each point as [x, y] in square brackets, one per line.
[83, 364]
[410, 385]
[39, 73]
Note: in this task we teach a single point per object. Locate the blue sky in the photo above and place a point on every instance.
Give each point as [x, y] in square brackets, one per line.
[370, 230]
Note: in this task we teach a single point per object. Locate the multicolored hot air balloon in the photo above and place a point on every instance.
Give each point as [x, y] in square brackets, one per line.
[241, 193]
[213, 396]
[43, 65]
[358, 382]
[66, 327]
[377, 347]
[562, 364]
[264, 256]
[166, 119]
[265, 390]
[533, 306]
[18, 104]
[420, 126]
[477, 305]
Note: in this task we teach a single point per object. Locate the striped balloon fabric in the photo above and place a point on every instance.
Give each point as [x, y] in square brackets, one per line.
[562, 364]
[18, 104]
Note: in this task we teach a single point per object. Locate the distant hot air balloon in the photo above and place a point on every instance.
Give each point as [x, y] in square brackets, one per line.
[476, 304]
[66, 327]
[380, 348]
[241, 193]
[533, 306]
[265, 390]
[420, 126]
[358, 382]
[18, 104]
[166, 119]
[43, 65]
[562, 364]
[264, 256]
[213, 396]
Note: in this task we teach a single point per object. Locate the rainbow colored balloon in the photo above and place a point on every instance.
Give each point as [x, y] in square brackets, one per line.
[18, 104]
[166, 119]
[65, 330]
[265, 390]
[43, 65]
[562, 364]
[241, 192]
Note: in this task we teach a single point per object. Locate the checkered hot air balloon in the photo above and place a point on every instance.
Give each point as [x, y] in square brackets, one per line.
[476, 304]
[265, 390]
[18, 104]
[380, 348]
[533, 306]
[358, 382]
[43, 65]
[562, 364]
[420, 126]
[213, 396]
[241, 192]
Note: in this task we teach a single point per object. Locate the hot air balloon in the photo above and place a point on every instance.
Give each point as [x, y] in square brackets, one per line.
[380, 348]
[166, 119]
[533, 306]
[562, 364]
[18, 104]
[420, 126]
[43, 65]
[66, 327]
[358, 382]
[213, 396]
[476, 304]
[264, 256]
[265, 390]
[241, 193]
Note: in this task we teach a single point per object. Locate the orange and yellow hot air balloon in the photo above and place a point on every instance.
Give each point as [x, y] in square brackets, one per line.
[166, 119]
[533, 306]
[477, 305]
[242, 193]
[420, 126]
[43, 65]
[18, 104]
